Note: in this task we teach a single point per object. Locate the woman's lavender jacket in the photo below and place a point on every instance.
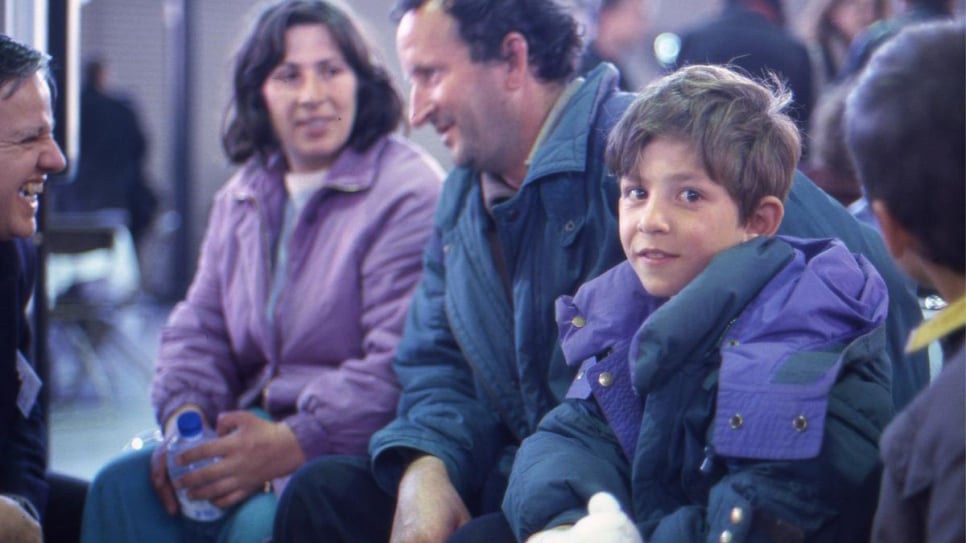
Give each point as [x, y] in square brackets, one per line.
[354, 260]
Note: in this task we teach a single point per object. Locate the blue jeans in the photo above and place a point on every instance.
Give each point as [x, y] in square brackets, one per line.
[122, 505]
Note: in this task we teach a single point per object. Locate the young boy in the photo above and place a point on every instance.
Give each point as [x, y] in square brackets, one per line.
[906, 128]
[748, 405]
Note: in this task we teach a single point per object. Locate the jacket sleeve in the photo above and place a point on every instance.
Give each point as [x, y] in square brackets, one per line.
[390, 270]
[829, 497]
[572, 455]
[439, 412]
[195, 363]
[23, 440]
[23, 459]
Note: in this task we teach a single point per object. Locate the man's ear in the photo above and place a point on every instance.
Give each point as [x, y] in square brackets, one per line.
[766, 217]
[516, 53]
[897, 239]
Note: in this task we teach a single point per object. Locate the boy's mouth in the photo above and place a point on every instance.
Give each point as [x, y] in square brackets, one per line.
[654, 254]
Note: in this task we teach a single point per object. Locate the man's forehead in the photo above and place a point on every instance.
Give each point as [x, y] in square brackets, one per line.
[428, 23]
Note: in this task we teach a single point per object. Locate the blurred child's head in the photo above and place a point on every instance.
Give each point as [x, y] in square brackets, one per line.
[705, 158]
[906, 129]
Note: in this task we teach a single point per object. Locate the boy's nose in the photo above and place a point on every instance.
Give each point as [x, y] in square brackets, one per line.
[652, 218]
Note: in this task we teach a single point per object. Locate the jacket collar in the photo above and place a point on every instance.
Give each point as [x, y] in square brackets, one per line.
[565, 147]
[352, 171]
[605, 310]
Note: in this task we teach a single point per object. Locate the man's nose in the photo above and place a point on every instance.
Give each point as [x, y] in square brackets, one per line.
[52, 159]
[420, 107]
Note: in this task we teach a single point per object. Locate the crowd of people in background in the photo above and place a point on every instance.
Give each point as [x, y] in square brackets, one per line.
[631, 311]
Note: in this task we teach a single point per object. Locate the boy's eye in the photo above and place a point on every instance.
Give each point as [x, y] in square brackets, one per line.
[633, 192]
[689, 195]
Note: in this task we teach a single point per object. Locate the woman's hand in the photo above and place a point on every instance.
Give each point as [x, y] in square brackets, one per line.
[252, 451]
[160, 479]
[159, 461]
[428, 508]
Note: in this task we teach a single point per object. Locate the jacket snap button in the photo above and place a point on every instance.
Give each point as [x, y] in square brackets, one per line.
[736, 421]
[726, 537]
[734, 343]
[569, 227]
[800, 423]
[605, 379]
[737, 515]
[578, 321]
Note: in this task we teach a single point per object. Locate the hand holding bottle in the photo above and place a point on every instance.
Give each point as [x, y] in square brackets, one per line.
[191, 433]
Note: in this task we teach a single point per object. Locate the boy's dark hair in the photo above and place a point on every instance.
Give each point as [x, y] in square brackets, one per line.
[737, 127]
[553, 39]
[19, 62]
[906, 129]
[249, 129]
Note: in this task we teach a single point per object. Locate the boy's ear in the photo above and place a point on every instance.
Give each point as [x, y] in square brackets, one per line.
[516, 52]
[766, 218]
[897, 239]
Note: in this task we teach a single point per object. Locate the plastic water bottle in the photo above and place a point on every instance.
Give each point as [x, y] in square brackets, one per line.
[191, 433]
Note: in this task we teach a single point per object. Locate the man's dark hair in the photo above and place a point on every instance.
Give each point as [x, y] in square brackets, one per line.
[553, 39]
[906, 129]
[19, 62]
[249, 129]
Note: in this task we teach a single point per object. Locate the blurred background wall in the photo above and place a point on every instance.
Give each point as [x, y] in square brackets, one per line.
[137, 41]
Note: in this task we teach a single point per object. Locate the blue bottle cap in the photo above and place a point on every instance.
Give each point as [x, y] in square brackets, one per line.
[189, 423]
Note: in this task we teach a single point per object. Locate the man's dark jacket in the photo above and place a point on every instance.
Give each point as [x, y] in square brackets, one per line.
[23, 441]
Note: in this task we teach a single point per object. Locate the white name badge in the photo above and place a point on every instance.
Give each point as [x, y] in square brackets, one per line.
[29, 386]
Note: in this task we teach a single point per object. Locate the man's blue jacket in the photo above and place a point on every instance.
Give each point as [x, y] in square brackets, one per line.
[479, 368]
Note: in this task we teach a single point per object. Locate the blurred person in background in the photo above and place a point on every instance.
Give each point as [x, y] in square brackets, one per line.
[828, 28]
[911, 12]
[829, 163]
[313, 248]
[617, 35]
[113, 148]
[752, 35]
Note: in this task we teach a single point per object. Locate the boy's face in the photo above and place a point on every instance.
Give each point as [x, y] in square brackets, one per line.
[674, 218]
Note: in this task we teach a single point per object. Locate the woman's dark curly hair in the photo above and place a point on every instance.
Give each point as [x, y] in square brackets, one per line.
[248, 127]
[551, 32]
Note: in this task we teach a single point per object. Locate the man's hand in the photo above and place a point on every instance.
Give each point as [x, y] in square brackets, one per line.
[428, 508]
[16, 525]
[604, 523]
[252, 451]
